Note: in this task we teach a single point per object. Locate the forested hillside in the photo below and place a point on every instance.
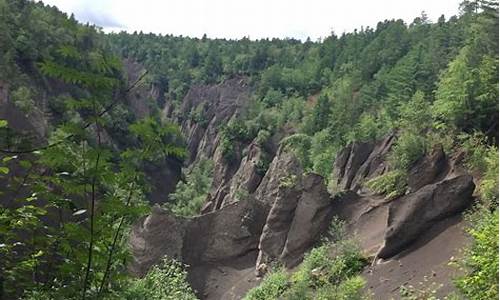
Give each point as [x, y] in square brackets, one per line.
[93, 126]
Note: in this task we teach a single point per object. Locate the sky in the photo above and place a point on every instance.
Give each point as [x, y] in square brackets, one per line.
[234, 19]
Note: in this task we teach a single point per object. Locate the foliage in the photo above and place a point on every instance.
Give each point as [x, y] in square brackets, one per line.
[482, 159]
[407, 150]
[394, 76]
[323, 270]
[272, 286]
[336, 231]
[481, 259]
[190, 195]
[349, 289]
[300, 145]
[322, 153]
[166, 281]
[327, 272]
[392, 184]
[71, 202]
[22, 98]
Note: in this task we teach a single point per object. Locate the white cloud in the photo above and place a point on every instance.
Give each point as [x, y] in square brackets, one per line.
[256, 18]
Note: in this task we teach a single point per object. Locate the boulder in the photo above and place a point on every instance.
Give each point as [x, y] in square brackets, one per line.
[414, 213]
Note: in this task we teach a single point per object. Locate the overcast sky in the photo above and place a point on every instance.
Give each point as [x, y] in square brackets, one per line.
[253, 18]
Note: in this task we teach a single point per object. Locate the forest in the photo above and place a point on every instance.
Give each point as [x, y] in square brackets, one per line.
[74, 155]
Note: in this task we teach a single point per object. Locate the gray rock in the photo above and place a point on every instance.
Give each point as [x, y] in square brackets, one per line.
[227, 233]
[412, 214]
[153, 237]
[427, 169]
[300, 212]
[312, 217]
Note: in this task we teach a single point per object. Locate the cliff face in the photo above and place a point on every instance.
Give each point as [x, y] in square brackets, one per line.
[286, 210]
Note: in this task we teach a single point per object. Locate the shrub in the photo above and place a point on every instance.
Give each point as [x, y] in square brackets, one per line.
[483, 159]
[189, 196]
[272, 286]
[262, 137]
[166, 281]
[322, 153]
[368, 128]
[320, 276]
[350, 289]
[336, 231]
[488, 188]
[23, 99]
[318, 268]
[197, 115]
[481, 259]
[392, 184]
[408, 149]
[300, 144]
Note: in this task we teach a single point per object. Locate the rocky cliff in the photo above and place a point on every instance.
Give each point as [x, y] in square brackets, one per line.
[287, 210]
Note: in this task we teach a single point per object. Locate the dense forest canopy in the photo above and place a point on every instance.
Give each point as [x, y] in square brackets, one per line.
[431, 82]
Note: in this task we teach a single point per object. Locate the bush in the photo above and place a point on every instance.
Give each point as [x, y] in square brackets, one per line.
[262, 137]
[488, 188]
[323, 150]
[327, 272]
[273, 285]
[481, 259]
[319, 269]
[391, 184]
[483, 159]
[189, 196]
[336, 231]
[350, 289]
[167, 281]
[368, 128]
[300, 144]
[408, 149]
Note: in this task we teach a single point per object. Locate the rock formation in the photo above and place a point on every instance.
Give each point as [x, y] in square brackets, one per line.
[284, 211]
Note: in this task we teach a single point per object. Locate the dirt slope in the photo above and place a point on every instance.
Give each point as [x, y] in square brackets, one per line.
[428, 257]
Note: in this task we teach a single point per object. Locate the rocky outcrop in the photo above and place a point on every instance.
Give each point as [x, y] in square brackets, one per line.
[205, 108]
[435, 191]
[301, 210]
[248, 176]
[284, 165]
[164, 174]
[312, 217]
[154, 236]
[428, 169]
[281, 220]
[414, 213]
[224, 234]
[361, 161]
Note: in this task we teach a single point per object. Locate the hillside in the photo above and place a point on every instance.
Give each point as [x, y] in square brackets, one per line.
[142, 166]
